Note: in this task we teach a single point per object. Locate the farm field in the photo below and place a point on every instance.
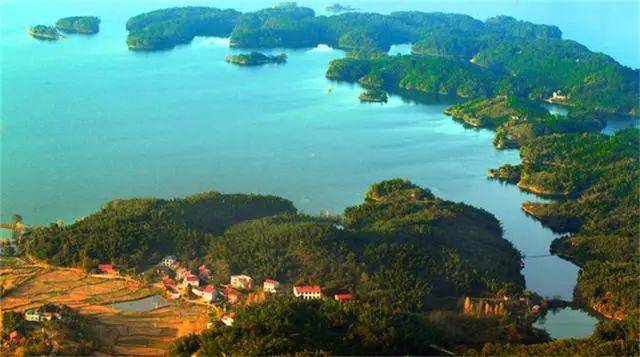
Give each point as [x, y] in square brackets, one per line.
[27, 285]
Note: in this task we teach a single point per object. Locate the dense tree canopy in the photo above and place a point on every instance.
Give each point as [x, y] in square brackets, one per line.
[518, 121]
[434, 75]
[601, 175]
[520, 58]
[79, 24]
[402, 248]
[163, 29]
[286, 326]
[139, 232]
[43, 32]
[587, 79]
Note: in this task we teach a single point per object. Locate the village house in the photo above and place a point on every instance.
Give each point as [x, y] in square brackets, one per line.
[32, 315]
[107, 269]
[244, 282]
[203, 272]
[173, 294]
[170, 283]
[228, 319]
[14, 336]
[308, 292]
[233, 296]
[192, 280]
[270, 286]
[208, 293]
[343, 297]
[169, 261]
[42, 314]
[180, 272]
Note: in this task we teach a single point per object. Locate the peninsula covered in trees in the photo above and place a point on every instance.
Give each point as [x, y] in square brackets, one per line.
[600, 177]
[404, 253]
[256, 59]
[517, 121]
[135, 234]
[373, 96]
[164, 29]
[79, 24]
[403, 243]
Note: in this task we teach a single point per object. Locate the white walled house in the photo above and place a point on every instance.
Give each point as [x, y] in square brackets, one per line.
[241, 282]
[270, 286]
[308, 292]
[228, 319]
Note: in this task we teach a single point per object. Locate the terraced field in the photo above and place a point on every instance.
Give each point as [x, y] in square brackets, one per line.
[29, 285]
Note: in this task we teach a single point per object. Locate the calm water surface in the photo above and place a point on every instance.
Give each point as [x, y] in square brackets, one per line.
[84, 121]
[147, 304]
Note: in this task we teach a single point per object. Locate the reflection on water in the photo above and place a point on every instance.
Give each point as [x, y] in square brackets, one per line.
[567, 322]
[617, 124]
[403, 49]
[146, 304]
[556, 109]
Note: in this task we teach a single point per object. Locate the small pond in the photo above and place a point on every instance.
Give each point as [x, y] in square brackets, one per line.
[149, 303]
[556, 109]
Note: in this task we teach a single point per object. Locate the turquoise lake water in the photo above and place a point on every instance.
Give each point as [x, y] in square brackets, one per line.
[84, 121]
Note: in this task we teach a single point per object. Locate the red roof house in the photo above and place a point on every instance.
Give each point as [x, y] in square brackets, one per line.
[229, 318]
[308, 292]
[192, 280]
[233, 295]
[14, 335]
[107, 269]
[270, 285]
[203, 272]
[343, 297]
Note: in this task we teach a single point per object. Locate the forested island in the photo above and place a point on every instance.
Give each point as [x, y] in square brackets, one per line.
[545, 64]
[453, 54]
[88, 25]
[256, 59]
[43, 32]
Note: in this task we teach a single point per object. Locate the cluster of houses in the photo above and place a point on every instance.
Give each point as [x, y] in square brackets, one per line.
[187, 281]
[40, 314]
[43, 313]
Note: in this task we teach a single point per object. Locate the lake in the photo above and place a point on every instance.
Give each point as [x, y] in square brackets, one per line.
[85, 121]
